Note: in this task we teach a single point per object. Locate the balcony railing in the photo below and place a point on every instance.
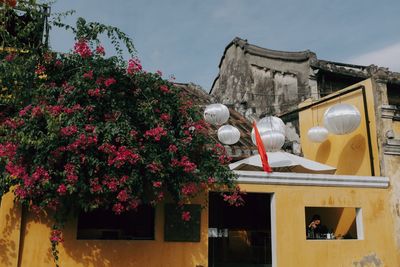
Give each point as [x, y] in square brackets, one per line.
[24, 26]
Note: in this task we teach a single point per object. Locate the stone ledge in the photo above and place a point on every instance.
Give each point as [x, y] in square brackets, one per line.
[391, 147]
[390, 112]
[305, 179]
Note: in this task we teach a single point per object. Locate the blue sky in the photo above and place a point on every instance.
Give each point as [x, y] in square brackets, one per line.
[186, 38]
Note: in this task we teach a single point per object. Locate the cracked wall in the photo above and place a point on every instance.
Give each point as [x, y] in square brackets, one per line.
[257, 86]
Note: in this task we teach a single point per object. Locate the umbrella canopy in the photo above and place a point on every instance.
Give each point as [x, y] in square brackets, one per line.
[283, 162]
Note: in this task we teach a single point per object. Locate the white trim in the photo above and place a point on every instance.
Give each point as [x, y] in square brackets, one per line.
[359, 224]
[273, 229]
[289, 178]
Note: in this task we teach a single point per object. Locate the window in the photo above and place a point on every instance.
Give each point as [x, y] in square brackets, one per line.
[178, 230]
[105, 224]
[333, 223]
[393, 94]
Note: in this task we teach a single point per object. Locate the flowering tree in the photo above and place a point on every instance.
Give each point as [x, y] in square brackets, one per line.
[84, 131]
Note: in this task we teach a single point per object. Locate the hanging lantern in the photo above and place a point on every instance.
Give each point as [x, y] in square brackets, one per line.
[228, 134]
[273, 140]
[317, 134]
[267, 124]
[216, 114]
[342, 119]
[271, 123]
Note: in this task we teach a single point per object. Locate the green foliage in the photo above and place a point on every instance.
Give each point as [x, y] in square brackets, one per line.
[91, 31]
[23, 27]
[80, 132]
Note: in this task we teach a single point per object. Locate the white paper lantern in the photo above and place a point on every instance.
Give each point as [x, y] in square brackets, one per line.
[228, 134]
[317, 134]
[267, 124]
[216, 114]
[273, 140]
[342, 119]
[271, 123]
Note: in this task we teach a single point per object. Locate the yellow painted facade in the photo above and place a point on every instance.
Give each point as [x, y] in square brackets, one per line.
[29, 245]
[292, 248]
[24, 240]
[349, 153]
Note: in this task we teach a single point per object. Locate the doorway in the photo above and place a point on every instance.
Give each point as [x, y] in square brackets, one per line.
[240, 236]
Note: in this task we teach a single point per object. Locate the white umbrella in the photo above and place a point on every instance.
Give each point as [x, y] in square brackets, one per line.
[283, 162]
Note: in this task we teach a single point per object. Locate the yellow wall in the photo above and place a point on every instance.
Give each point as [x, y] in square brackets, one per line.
[10, 224]
[349, 153]
[292, 247]
[294, 250]
[35, 245]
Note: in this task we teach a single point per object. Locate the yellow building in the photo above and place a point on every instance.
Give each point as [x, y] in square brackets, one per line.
[270, 230]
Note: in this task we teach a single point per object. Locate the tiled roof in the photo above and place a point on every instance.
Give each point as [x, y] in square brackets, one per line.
[245, 146]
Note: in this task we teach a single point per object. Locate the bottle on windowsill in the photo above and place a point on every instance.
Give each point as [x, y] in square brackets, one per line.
[331, 235]
[310, 233]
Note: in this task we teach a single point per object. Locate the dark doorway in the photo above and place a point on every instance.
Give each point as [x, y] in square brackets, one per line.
[240, 236]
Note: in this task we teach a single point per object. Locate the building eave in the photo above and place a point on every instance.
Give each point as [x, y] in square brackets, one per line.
[305, 179]
[297, 56]
[358, 71]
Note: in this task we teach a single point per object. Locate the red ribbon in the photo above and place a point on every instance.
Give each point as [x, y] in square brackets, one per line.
[261, 150]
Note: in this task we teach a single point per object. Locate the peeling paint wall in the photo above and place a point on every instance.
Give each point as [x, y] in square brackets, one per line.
[368, 261]
[389, 160]
[256, 85]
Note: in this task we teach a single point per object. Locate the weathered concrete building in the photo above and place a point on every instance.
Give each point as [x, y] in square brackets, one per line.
[257, 81]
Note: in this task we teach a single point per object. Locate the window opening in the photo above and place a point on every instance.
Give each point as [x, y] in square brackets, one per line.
[106, 225]
[333, 223]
